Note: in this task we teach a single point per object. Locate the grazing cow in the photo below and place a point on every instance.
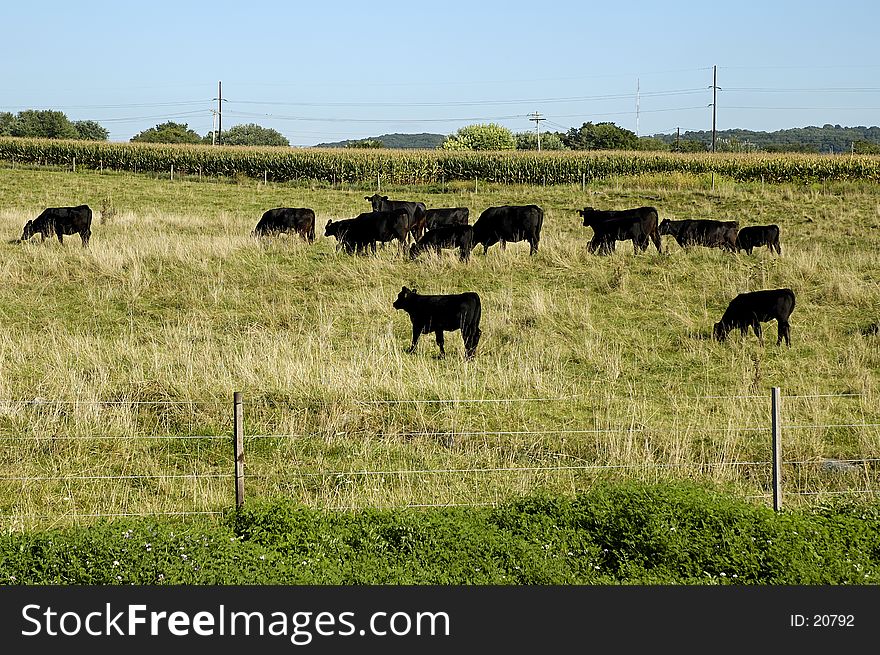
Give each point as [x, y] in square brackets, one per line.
[451, 236]
[60, 221]
[415, 210]
[752, 309]
[440, 314]
[638, 225]
[287, 220]
[712, 234]
[509, 223]
[356, 234]
[755, 236]
[435, 218]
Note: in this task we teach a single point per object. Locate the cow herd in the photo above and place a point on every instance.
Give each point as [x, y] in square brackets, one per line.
[418, 229]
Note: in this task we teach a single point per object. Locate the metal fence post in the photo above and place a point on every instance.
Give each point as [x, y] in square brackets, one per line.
[776, 426]
[238, 446]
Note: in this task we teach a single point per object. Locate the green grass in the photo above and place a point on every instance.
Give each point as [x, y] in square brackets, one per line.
[174, 302]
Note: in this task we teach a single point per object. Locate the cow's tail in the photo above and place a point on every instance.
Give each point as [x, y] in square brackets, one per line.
[470, 327]
[654, 231]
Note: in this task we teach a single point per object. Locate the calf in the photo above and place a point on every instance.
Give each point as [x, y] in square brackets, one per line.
[287, 220]
[638, 225]
[444, 216]
[509, 223]
[452, 236]
[440, 314]
[752, 309]
[755, 236]
[415, 210]
[60, 221]
[712, 234]
[356, 234]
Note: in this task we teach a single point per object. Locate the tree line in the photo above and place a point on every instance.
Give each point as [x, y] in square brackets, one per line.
[589, 136]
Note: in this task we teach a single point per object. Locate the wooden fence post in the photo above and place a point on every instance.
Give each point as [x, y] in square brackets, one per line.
[776, 424]
[238, 447]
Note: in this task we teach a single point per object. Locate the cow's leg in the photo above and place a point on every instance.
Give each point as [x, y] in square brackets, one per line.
[756, 326]
[439, 335]
[533, 245]
[503, 245]
[655, 237]
[784, 333]
[85, 237]
[778, 248]
[490, 242]
[417, 332]
[60, 237]
[471, 339]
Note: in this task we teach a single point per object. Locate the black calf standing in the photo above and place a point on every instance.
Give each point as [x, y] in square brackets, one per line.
[755, 236]
[440, 314]
[751, 309]
[60, 221]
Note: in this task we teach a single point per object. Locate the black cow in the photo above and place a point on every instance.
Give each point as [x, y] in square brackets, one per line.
[752, 309]
[440, 314]
[451, 236]
[637, 225]
[296, 220]
[416, 211]
[442, 217]
[60, 221]
[755, 236]
[356, 234]
[509, 223]
[712, 234]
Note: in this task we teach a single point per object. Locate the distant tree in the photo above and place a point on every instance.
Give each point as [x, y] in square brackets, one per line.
[651, 143]
[169, 132]
[481, 137]
[43, 123]
[90, 131]
[862, 147]
[250, 134]
[601, 136]
[6, 121]
[365, 143]
[549, 141]
[688, 145]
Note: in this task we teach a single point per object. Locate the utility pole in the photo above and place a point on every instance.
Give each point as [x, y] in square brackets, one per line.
[714, 101]
[677, 139]
[220, 102]
[637, 106]
[537, 118]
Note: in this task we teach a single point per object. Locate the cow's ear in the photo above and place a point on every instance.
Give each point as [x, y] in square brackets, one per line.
[404, 290]
[413, 291]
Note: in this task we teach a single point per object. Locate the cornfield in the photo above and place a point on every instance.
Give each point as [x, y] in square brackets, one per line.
[430, 166]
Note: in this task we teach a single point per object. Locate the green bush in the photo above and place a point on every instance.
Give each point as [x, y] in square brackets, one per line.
[616, 534]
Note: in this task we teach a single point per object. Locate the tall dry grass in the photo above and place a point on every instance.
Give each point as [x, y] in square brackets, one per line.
[607, 362]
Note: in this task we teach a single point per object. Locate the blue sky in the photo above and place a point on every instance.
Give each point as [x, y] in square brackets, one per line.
[325, 71]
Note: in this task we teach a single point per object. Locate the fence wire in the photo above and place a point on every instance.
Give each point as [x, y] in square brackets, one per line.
[857, 464]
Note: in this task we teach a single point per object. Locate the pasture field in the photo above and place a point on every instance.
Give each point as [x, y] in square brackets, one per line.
[118, 363]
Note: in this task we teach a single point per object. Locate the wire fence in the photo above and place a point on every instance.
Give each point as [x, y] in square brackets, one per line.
[33, 486]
